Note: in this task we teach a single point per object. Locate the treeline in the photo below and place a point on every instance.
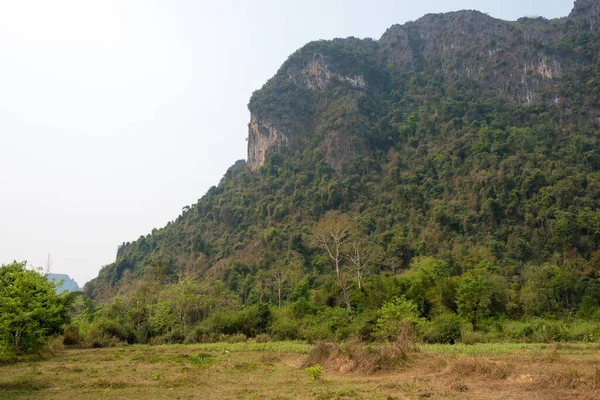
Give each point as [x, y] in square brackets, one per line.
[348, 290]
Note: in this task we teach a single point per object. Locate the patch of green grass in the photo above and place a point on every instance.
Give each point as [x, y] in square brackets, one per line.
[314, 372]
[293, 347]
[499, 349]
[23, 384]
[201, 360]
[245, 366]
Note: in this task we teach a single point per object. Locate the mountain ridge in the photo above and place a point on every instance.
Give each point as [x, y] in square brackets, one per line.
[68, 283]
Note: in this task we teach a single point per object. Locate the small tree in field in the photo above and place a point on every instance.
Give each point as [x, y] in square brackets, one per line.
[30, 309]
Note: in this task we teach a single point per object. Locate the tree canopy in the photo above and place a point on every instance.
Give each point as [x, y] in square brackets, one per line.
[30, 310]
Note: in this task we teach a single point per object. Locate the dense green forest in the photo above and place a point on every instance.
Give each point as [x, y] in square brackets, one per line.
[445, 177]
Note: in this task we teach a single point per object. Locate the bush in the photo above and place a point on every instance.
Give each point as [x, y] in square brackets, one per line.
[585, 331]
[286, 329]
[356, 357]
[262, 338]
[554, 331]
[444, 328]
[71, 335]
[318, 333]
[468, 336]
[235, 338]
[250, 321]
[399, 317]
[105, 332]
[364, 326]
[120, 330]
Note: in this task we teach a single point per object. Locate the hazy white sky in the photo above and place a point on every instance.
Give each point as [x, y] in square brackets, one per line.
[114, 114]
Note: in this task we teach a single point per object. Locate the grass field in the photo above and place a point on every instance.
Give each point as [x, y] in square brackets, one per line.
[276, 371]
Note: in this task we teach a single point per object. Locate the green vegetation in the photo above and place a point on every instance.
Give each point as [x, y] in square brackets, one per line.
[30, 311]
[425, 204]
[432, 208]
[314, 372]
[473, 202]
[435, 186]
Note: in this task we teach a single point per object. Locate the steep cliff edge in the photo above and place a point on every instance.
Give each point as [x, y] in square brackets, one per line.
[286, 112]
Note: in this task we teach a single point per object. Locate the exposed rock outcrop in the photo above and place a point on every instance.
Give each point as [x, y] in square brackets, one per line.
[316, 74]
[586, 16]
[262, 136]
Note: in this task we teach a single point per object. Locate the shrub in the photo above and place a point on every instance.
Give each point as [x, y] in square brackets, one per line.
[364, 326]
[263, 338]
[554, 331]
[398, 317]
[318, 333]
[286, 329]
[250, 321]
[105, 332]
[468, 336]
[120, 330]
[444, 328]
[585, 331]
[236, 338]
[356, 357]
[71, 335]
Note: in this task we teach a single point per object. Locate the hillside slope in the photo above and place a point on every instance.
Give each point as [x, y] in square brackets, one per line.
[458, 136]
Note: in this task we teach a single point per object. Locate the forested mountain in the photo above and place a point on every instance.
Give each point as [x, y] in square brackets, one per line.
[457, 146]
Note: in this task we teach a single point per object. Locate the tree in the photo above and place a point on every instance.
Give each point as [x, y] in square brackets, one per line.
[331, 234]
[30, 309]
[283, 275]
[361, 253]
[478, 297]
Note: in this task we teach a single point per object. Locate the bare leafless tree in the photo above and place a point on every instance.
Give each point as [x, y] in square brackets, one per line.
[330, 234]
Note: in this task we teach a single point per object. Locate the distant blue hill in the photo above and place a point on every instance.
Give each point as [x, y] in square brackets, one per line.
[68, 283]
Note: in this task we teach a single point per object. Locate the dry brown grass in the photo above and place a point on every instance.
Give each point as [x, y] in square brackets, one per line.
[358, 358]
[479, 368]
[351, 371]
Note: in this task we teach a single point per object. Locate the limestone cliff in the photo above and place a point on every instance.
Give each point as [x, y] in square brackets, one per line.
[510, 58]
[585, 16]
[520, 61]
[262, 136]
[308, 74]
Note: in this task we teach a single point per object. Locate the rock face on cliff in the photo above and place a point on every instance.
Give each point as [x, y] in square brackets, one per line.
[514, 59]
[519, 61]
[585, 17]
[281, 110]
[262, 137]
